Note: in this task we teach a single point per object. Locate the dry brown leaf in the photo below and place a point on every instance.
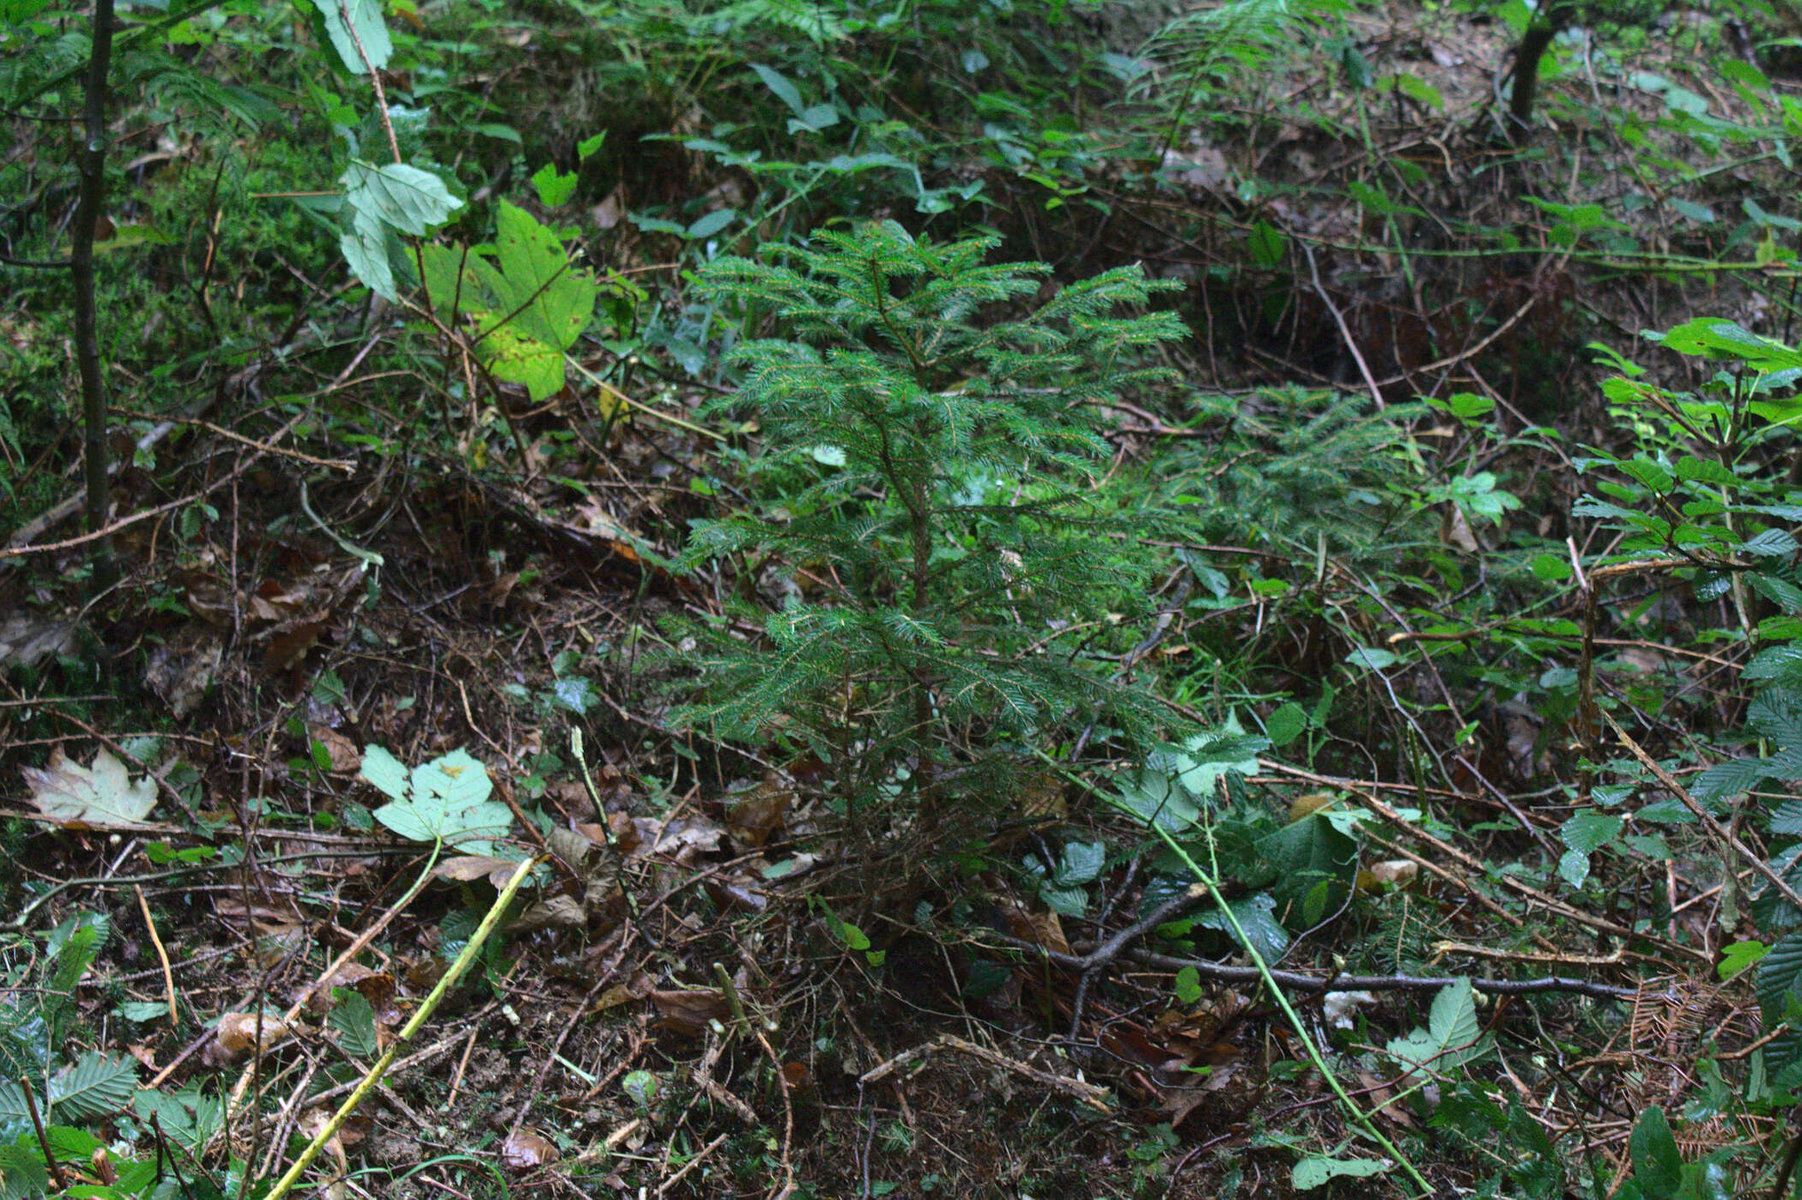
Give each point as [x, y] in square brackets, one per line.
[754, 818]
[683, 839]
[525, 1150]
[553, 912]
[236, 1035]
[467, 868]
[27, 637]
[690, 1012]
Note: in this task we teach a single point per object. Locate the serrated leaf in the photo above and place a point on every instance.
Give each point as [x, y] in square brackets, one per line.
[1453, 1035]
[1155, 798]
[403, 197]
[22, 1173]
[1588, 831]
[1776, 663]
[1316, 862]
[1081, 862]
[365, 17]
[94, 1086]
[1064, 901]
[1573, 867]
[1256, 915]
[353, 1017]
[100, 797]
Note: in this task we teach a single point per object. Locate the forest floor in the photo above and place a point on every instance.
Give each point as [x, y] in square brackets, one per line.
[720, 985]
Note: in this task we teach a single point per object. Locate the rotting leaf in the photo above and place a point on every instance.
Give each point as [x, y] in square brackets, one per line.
[99, 797]
[755, 817]
[690, 1011]
[467, 868]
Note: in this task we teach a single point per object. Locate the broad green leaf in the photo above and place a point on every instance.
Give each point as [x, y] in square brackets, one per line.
[1452, 1038]
[782, 86]
[532, 302]
[385, 772]
[1319, 1170]
[1657, 1162]
[365, 18]
[711, 224]
[443, 800]
[365, 250]
[408, 199]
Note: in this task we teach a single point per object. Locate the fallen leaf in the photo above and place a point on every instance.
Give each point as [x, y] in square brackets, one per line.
[690, 1011]
[99, 797]
[236, 1035]
[526, 1149]
[26, 637]
[467, 868]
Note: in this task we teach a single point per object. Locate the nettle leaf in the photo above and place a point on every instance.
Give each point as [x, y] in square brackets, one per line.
[1155, 797]
[1257, 917]
[103, 796]
[1452, 1038]
[444, 800]
[1316, 861]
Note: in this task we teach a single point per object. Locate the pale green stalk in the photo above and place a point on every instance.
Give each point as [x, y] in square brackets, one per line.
[424, 1013]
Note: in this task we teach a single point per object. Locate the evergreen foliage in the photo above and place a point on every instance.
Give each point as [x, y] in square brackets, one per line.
[939, 467]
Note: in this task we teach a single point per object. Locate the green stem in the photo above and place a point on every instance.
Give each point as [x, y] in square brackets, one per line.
[1358, 1116]
[457, 970]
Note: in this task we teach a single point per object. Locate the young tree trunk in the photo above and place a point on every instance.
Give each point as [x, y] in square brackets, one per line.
[92, 167]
